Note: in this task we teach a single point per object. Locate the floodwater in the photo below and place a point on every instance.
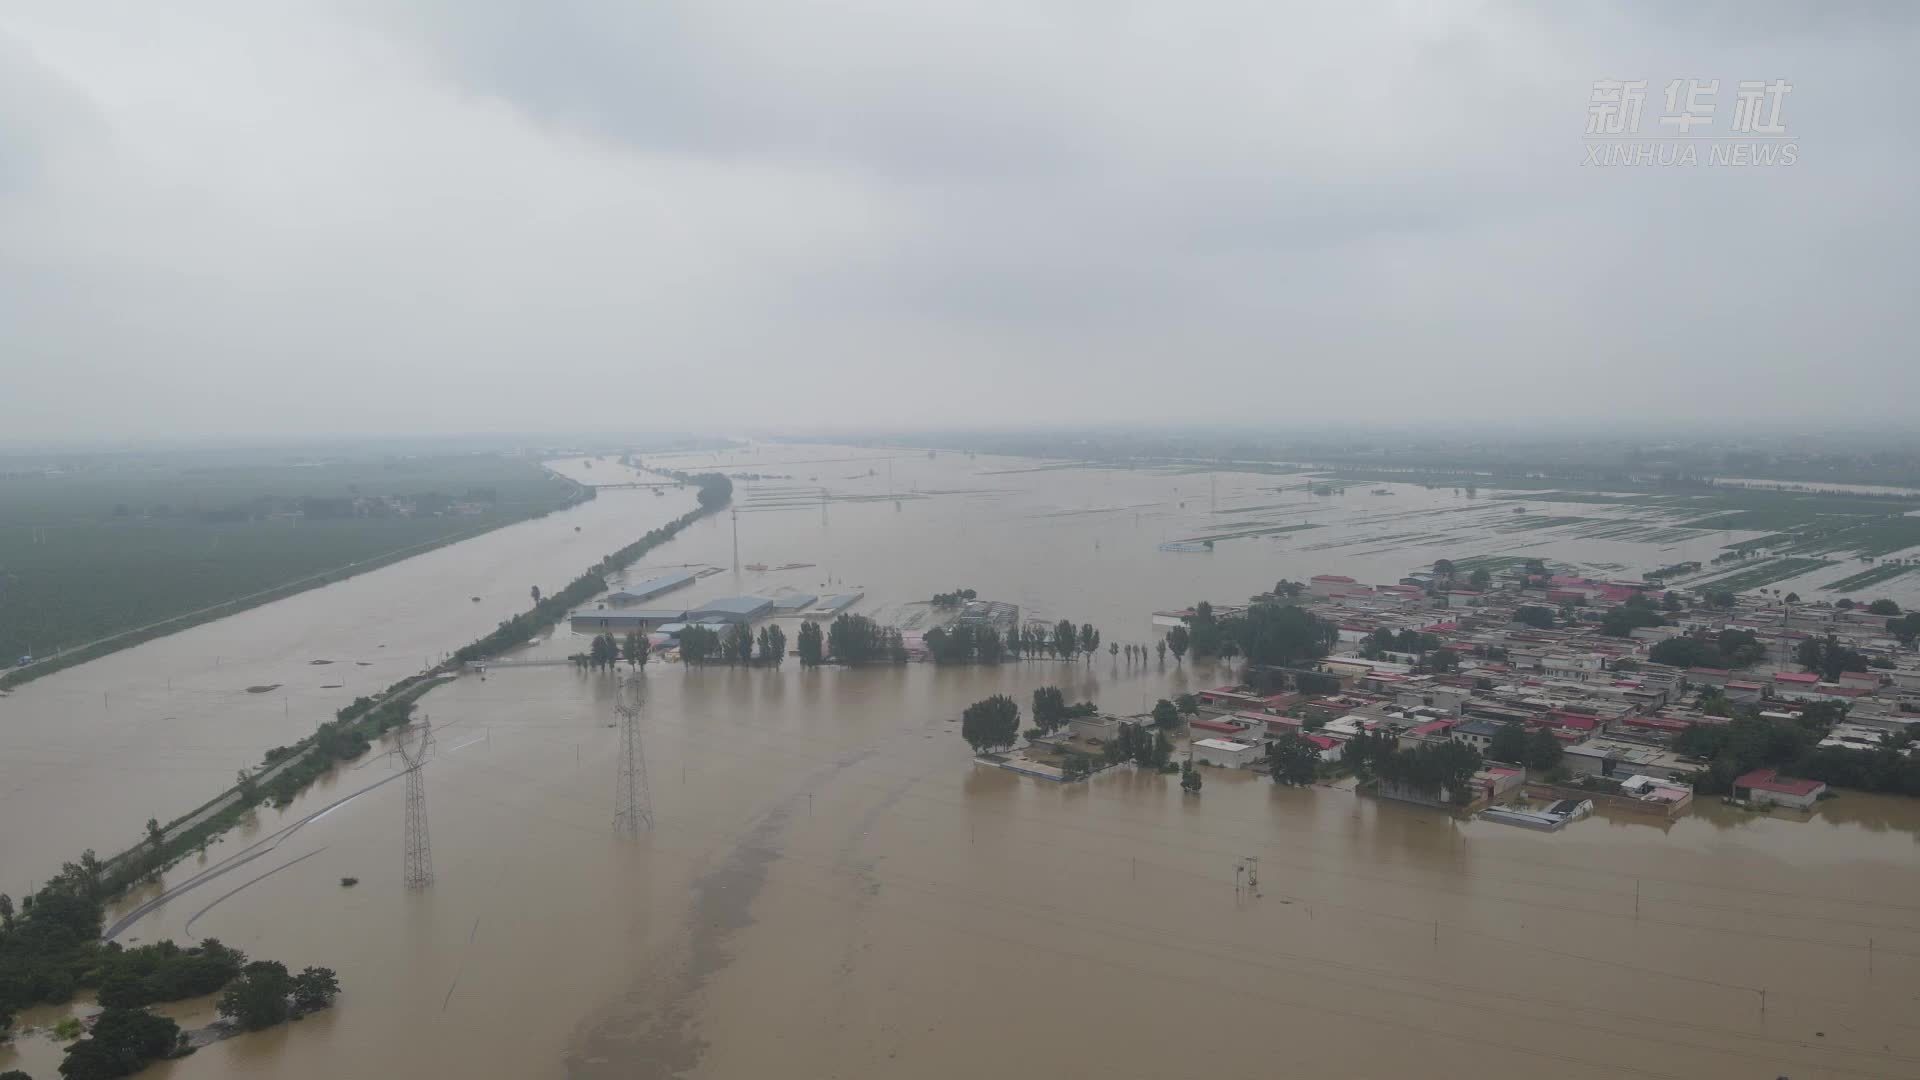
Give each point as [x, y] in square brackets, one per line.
[89, 753]
[832, 888]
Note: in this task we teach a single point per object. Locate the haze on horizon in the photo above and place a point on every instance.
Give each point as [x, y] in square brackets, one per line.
[343, 217]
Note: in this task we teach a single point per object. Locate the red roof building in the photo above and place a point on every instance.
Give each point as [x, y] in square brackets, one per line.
[1767, 785]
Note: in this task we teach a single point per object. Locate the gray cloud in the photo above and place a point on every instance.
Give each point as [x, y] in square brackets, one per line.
[454, 216]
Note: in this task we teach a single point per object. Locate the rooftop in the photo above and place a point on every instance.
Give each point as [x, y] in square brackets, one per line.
[1771, 780]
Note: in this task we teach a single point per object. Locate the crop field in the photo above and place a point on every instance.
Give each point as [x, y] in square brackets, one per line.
[1761, 574]
[93, 549]
[1878, 575]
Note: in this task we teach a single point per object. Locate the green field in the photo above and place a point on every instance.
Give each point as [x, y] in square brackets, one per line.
[101, 545]
[1756, 575]
[1875, 576]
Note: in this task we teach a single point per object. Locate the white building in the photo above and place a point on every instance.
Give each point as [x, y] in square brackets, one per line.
[1225, 753]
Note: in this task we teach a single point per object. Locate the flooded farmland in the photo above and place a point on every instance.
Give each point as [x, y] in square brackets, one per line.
[831, 888]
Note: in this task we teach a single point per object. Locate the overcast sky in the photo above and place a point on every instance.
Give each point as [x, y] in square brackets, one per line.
[318, 217]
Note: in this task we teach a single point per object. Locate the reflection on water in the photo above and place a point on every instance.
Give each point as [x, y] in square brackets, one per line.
[832, 888]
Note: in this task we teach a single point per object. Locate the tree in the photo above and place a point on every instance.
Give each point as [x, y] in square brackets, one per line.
[121, 1043]
[1793, 598]
[603, 652]
[1509, 744]
[715, 490]
[1434, 771]
[992, 723]
[1844, 604]
[697, 643]
[1443, 660]
[1113, 649]
[1272, 635]
[1190, 779]
[1177, 639]
[6, 912]
[1049, 709]
[535, 593]
[1622, 621]
[1721, 598]
[258, 998]
[314, 988]
[1160, 648]
[1065, 639]
[1828, 658]
[1905, 627]
[1543, 751]
[1480, 579]
[1165, 713]
[773, 644]
[1293, 760]
[1188, 704]
[1443, 568]
[155, 834]
[810, 644]
[1883, 606]
[1160, 751]
[1540, 618]
[740, 643]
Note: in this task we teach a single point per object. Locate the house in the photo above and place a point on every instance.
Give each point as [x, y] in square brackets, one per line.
[1102, 726]
[1766, 787]
[1652, 793]
[1324, 585]
[1433, 731]
[1478, 734]
[1493, 781]
[1225, 753]
[1231, 697]
[1206, 727]
[1330, 748]
[1857, 680]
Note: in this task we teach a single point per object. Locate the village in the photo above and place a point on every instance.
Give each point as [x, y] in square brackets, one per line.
[1570, 691]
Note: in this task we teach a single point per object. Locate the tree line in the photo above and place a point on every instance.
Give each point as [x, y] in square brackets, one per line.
[50, 949]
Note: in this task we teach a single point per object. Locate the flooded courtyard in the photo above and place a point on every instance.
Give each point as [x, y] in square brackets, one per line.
[832, 888]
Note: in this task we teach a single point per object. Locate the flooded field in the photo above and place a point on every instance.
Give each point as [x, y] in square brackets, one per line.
[832, 888]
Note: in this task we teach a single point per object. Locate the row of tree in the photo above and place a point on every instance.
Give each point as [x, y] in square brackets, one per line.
[738, 644]
[1267, 633]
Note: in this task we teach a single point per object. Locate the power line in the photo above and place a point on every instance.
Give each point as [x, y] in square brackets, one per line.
[419, 847]
[632, 803]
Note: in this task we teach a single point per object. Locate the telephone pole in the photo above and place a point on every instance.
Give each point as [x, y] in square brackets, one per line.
[419, 847]
[736, 540]
[632, 804]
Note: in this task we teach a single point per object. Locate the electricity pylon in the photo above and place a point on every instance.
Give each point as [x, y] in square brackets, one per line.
[632, 804]
[419, 872]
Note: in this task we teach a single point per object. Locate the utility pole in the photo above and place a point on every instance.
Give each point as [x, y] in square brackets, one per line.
[419, 848]
[736, 541]
[632, 803]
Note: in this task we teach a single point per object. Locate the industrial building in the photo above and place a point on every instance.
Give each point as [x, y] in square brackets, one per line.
[623, 620]
[642, 591]
[730, 609]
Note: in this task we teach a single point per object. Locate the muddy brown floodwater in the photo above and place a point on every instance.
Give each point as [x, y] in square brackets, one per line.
[831, 888]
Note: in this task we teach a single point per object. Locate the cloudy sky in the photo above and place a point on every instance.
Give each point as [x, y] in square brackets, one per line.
[361, 216]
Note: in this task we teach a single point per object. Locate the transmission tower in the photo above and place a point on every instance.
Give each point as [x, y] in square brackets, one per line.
[632, 804]
[419, 872]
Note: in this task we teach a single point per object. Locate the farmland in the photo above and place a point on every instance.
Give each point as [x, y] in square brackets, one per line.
[102, 545]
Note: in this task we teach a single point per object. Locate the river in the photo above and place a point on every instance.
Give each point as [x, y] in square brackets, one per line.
[831, 888]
